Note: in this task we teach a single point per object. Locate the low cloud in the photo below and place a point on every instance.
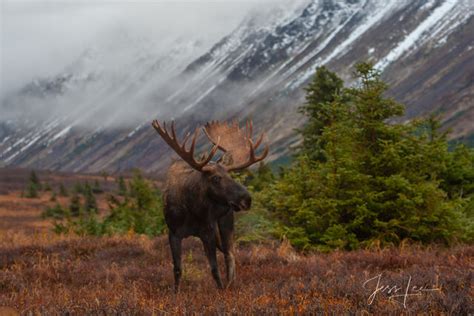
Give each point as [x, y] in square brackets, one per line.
[39, 38]
[127, 50]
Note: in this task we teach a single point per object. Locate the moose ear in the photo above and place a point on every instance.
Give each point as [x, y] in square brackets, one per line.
[207, 170]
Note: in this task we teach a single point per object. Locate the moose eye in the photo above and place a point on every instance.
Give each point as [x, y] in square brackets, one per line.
[216, 179]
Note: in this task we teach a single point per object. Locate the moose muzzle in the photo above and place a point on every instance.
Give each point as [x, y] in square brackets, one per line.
[243, 203]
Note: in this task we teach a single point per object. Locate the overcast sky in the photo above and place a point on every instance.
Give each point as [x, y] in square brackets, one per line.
[39, 38]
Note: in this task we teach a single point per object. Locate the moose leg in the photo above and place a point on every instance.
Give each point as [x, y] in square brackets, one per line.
[175, 245]
[218, 239]
[226, 232]
[209, 242]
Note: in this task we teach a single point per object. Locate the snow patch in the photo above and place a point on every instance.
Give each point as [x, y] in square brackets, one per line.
[30, 143]
[135, 130]
[428, 5]
[4, 140]
[378, 14]
[411, 39]
[62, 133]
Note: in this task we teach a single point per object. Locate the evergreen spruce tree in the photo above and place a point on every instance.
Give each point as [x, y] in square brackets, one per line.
[90, 203]
[458, 177]
[34, 179]
[322, 90]
[33, 186]
[261, 178]
[31, 190]
[75, 205]
[378, 182]
[62, 190]
[96, 189]
[122, 187]
[140, 209]
[56, 212]
[78, 188]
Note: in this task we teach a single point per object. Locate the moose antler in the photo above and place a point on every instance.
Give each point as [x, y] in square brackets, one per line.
[236, 142]
[180, 149]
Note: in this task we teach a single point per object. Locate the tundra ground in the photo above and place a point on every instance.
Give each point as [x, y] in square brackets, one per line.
[44, 273]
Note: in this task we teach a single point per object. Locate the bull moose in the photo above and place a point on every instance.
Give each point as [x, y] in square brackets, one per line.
[200, 197]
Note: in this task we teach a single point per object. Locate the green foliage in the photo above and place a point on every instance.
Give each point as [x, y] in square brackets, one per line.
[75, 205]
[56, 212]
[457, 180]
[33, 186]
[260, 179]
[458, 177]
[360, 180]
[90, 203]
[62, 190]
[122, 187]
[139, 211]
[324, 88]
[31, 190]
[35, 180]
[255, 225]
[78, 188]
[96, 189]
[47, 187]
[53, 197]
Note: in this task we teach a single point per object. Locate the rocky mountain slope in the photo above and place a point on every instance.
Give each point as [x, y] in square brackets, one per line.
[96, 114]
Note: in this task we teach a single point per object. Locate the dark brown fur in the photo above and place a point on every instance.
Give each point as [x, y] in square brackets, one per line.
[201, 204]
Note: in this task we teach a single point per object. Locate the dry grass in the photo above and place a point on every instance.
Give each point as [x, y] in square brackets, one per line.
[48, 274]
[133, 275]
[24, 214]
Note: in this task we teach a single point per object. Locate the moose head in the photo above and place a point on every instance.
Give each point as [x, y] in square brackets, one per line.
[239, 153]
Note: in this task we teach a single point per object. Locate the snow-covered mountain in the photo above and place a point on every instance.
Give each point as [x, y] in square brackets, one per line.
[96, 114]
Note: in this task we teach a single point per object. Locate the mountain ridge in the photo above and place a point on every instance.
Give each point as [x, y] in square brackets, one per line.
[257, 71]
